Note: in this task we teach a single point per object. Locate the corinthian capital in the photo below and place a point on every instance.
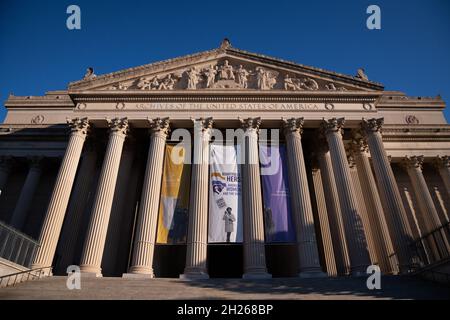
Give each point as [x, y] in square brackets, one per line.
[359, 144]
[293, 125]
[413, 162]
[79, 125]
[251, 124]
[332, 125]
[372, 125]
[160, 126]
[203, 124]
[119, 125]
[442, 162]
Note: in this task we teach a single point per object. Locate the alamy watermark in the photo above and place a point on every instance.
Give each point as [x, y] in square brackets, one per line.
[374, 20]
[374, 280]
[73, 21]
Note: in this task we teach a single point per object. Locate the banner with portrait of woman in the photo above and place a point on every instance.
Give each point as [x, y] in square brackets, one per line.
[225, 195]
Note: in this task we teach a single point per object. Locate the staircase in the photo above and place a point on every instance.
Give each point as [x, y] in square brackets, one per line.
[346, 288]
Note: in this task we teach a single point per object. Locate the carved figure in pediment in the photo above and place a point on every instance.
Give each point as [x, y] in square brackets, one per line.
[124, 85]
[242, 76]
[291, 83]
[144, 84]
[89, 74]
[331, 87]
[193, 78]
[266, 79]
[154, 85]
[226, 71]
[167, 83]
[210, 74]
[309, 84]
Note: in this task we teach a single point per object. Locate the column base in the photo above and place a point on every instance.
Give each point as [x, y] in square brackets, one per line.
[90, 271]
[194, 276]
[146, 272]
[256, 275]
[312, 274]
[138, 276]
[90, 275]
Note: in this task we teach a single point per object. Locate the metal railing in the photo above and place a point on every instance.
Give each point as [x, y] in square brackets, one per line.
[433, 247]
[27, 275]
[16, 246]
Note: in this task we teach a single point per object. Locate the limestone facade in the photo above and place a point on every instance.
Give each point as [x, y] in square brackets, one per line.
[62, 180]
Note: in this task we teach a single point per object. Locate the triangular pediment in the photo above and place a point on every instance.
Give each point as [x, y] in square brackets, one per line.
[225, 68]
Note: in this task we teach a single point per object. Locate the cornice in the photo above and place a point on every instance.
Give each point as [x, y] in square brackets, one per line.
[224, 96]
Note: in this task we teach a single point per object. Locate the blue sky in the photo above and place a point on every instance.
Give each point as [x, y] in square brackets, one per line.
[410, 53]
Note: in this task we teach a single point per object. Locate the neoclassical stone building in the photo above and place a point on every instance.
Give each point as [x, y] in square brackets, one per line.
[86, 171]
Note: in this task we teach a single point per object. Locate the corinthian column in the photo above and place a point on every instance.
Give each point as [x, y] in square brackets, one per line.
[144, 242]
[26, 194]
[377, 223]
[333, 209]
[59, 200]
[442, 164]
[430, 218]
[324, 222]
[309, 265]
[110, 252]
[96, 234]
[254, 251]
[390, 195]
[5, 170]
[198, 216]
[354, 231]
[73, 221]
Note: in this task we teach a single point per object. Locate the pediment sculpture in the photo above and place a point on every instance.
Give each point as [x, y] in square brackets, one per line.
[225, 75]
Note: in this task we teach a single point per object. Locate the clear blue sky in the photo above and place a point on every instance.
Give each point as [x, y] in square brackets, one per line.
[411, 52]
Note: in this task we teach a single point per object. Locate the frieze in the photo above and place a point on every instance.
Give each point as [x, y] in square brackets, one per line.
[228, 106]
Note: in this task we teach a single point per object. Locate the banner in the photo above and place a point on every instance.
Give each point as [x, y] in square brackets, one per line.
[276, 196]
[174, 202]
[225, 200]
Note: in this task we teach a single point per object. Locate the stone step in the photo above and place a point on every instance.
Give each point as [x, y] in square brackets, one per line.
[392, 287]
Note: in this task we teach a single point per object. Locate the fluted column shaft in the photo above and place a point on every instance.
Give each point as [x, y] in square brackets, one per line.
[378, 225]
[144, 242]
[115, 221]
[387, 186]
[443, 166]
[98, 226]
[354, 231]
[59, 200]
[196, 251]
[254, 250]
[5, 170]
[334, 211]
[324, 223]
[26, 194]
[309, 265]
[71, 228]
[362, 210]
[429, 213]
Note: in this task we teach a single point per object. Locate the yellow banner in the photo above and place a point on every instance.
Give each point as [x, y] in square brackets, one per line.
[174, 203]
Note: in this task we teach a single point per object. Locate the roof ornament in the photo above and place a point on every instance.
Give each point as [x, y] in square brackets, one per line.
[89, 74]
[225, 44]
[361, 74]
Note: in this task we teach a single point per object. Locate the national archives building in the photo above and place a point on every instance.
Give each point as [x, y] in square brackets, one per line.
[134, 173]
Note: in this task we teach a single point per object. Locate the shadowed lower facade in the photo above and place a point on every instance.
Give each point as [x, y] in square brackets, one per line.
[89, 172]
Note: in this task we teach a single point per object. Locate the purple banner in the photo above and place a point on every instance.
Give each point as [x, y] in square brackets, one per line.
[276, 197]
